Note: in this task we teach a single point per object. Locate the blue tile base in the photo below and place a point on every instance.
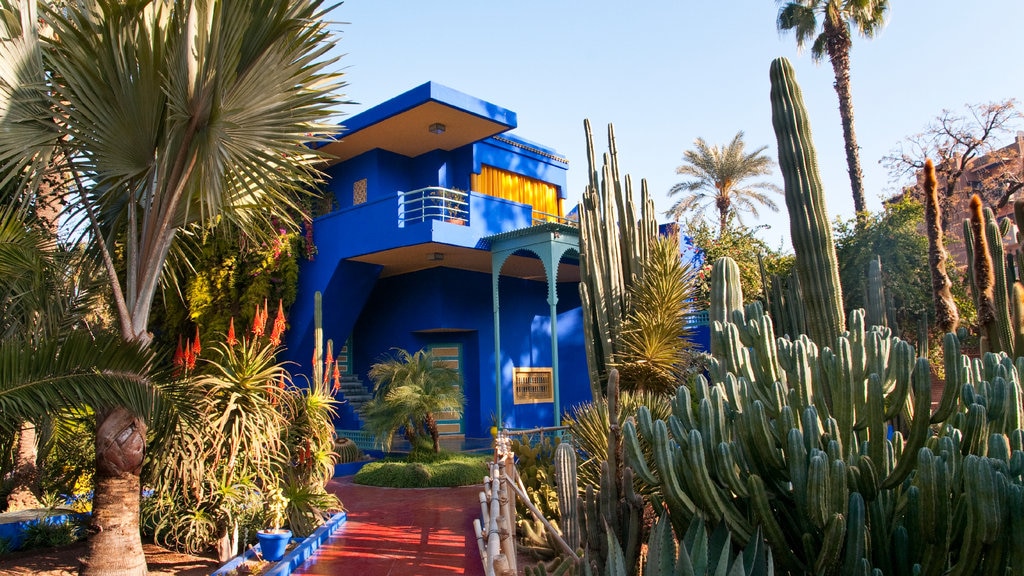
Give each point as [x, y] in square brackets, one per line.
[293, 559]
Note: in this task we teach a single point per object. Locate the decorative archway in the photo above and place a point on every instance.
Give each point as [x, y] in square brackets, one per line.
[550, 242]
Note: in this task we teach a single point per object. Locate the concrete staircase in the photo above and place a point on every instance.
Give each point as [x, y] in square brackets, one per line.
[355, 394]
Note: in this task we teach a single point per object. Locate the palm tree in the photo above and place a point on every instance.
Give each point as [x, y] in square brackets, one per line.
[719, 175]
[165, 114]
[837, 18]
[409, 391]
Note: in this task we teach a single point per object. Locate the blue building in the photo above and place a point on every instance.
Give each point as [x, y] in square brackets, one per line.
[442, 230]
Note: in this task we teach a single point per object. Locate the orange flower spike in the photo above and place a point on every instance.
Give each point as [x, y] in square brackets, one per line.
[232, 340]
[337, 379]
[179, 354]
[279, 325]
[196, 346]
[257, 323]
[328, 362]
[190, 357]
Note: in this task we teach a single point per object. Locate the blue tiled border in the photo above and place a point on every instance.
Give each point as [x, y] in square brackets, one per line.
[296, 557]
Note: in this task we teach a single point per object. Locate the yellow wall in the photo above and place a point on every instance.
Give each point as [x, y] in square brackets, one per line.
[510, 186]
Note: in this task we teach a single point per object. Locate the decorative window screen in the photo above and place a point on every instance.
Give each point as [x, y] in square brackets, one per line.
[359, 192]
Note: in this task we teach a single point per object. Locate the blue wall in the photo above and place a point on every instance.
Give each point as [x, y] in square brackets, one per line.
[448, 306]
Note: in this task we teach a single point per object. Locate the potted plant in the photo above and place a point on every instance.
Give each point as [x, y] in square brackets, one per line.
[274, 540]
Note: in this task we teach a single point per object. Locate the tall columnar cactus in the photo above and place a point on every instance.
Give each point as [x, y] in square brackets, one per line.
[614, 243]
[946, 314]
[795, 440]
[994, 294]
[874, 296]
[567, 488]
[810, 228]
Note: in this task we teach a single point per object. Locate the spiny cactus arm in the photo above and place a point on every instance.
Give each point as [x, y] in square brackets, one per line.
[831, 544]
[1017, 318]
[1001, 286]
[901, 371]
[567, 488]
[874, 296]
[726, 290]
[772, 530]
[856, 535]
[918, 427]
[318, 338]
[951, 391]
[811, 231]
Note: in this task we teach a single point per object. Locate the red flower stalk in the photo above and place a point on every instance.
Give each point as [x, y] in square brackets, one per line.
[196, 347]
[337, 379]
[258, 324]
[231, 333]
[179, 358]
[328, 362]
[279, 325]
[190, 357]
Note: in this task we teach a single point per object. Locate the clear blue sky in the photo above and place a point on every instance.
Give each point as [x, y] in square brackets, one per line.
[666, 72]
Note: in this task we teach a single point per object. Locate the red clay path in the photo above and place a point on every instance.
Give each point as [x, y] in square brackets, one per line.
[401, 532]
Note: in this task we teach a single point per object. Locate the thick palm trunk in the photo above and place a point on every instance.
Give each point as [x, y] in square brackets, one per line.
[116, 547]
[838, 47]
[25, 478]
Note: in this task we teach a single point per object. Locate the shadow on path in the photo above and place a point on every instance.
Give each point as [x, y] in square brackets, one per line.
[401, 532]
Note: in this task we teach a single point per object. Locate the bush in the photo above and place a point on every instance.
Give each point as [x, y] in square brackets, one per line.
[443, 470]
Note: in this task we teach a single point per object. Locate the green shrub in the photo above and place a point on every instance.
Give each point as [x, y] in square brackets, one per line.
[444, 470]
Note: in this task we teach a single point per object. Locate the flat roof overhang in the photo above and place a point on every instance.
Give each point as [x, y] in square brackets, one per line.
[402, 124]
[408, 259]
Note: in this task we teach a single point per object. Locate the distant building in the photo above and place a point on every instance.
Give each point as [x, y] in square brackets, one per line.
[997, 178]
[442, 230]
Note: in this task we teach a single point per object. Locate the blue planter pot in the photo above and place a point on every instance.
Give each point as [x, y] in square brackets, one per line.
[273, 543]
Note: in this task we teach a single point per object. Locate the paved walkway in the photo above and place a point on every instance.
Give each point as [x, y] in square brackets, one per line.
[401, 532]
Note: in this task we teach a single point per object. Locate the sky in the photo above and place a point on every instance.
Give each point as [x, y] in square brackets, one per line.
[666, 72]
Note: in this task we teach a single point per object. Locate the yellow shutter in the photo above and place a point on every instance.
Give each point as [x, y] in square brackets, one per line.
[543, 197]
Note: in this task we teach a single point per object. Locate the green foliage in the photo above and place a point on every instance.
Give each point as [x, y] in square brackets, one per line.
[47, 533]
[228, 274]
[655, 350]
[409, 389]
[894, 236]
[743, 246]
[257, 435]
[588, 423]
[446, 470]
[535, 462]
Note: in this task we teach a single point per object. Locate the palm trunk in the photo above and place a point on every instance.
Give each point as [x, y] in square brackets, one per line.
[116, 547]
[838, 47]
[25, 493]
[434, 434]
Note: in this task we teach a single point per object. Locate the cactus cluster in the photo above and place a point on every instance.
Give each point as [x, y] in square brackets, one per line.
[614, 243]
[796, 439]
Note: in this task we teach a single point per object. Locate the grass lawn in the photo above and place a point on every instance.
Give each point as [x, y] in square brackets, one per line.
[425, 470]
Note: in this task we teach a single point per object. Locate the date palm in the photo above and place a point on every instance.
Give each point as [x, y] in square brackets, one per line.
[165, 114]
[409, 391]
[837, 18]
[719, 181]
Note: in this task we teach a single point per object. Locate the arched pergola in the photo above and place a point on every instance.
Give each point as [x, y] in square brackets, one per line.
[550, 242]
